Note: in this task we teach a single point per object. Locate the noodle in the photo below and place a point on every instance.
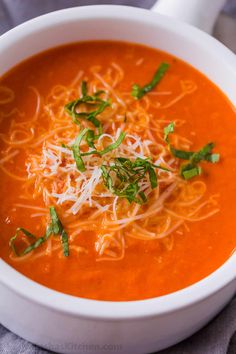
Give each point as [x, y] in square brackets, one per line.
[82, 197]
[6, 95]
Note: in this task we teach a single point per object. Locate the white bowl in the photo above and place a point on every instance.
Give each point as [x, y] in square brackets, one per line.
[67, 324]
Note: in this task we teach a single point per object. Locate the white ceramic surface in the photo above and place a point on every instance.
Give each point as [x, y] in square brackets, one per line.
[72, 325]
[200, 13]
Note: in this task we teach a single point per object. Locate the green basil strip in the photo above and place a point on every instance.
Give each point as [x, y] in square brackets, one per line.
[152, 177]
[138, 91]
[109, 148]
[13, 238]
[191, 169]
[57, 228]
[113, 146]
[90, 138]
[180, 154]
[76, 150]
[205, 154]
[93, 100]
[169, 129]
[54, 228]
[129, 174]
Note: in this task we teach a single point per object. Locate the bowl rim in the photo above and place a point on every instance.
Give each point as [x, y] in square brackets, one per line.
[111, 310]
[117, 310]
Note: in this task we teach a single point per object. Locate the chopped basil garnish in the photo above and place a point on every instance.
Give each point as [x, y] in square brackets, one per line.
[76, 150]
[191, 169]
[168, 130]
[205, 154]
[123, 176]
[57, 229]
[38, 242]
[91, 101]
[152, 177]
[90, 138]
[54, 228]
[86, 133]
[13, 239]
[109, 148]
[78, 155]
[112, 146]
[138, 91]
[181, 154]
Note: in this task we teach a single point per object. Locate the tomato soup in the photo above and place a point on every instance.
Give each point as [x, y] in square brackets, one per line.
[117, 171]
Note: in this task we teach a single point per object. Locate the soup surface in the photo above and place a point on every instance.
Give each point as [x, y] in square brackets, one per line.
[101, 175]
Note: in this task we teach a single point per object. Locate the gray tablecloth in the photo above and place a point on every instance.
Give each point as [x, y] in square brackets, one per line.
[218, 337]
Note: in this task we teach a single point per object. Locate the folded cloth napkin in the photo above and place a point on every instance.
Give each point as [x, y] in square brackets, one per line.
[219, 336]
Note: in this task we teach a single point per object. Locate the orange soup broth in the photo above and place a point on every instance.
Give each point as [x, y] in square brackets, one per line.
[149, 268]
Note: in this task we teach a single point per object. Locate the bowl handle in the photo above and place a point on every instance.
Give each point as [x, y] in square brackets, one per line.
[199, 13]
